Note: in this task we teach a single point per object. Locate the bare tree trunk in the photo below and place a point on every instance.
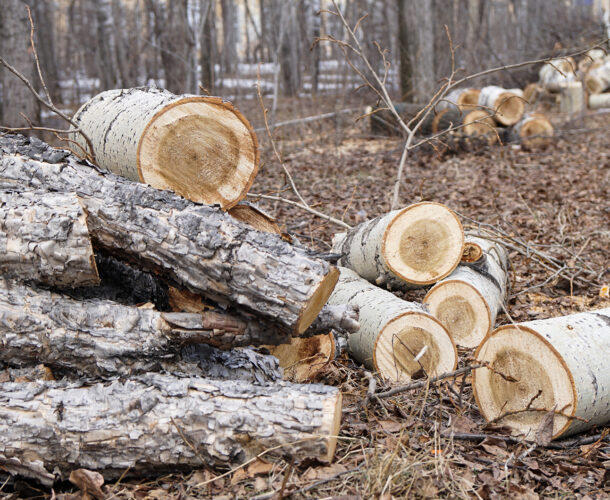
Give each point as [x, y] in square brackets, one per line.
[106, 45]
[229, 37]
[17, 100]
[208, 48]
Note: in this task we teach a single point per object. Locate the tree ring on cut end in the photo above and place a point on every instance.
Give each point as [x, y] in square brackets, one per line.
[509, 108]
[462, 310]
[412, 335]
[423, 243]
[201, 148]
[537, 126]
[522, 353]
[317, 300]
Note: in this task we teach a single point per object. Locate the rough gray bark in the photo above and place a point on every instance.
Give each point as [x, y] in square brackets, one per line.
[101, 338]
[44, 238]
[14, 43]
[196, 246]
[157, 422]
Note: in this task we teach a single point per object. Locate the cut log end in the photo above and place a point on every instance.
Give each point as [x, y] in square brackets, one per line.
[472, 252]
[423, 243]
[331, 424]
[536, 131]
[210, 146]
[462, 309]
[317, 300]
[411, 343]
[478, 123]
[509, 108]
[543, 381]
[469, 98]
[254, 217]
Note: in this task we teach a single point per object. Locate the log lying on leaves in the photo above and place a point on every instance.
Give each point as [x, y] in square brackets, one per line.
[416, 245]
[472, 123]
[507, 108]
[464, 99]
[469, 299]
[44, 238]
[156, 423]
[196, 246]
[101, 338]
[557, 73]
[200, 147]
[396, 338]
[598, 101]
[597, 80]
[559, 364]
[533, 131]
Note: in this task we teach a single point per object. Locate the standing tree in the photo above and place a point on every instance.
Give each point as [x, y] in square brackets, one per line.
[17, 100]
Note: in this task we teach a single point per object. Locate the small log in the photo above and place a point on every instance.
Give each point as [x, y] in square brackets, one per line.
[158, 423]
[304, 358]
[572, 98]
[398, 339]
[101, 338]
[199, 147]
[531, 92]
[507, 108]
[195, 246]
[599, 101]
[557, 73]
[253, 216]
[593, 55]
[597, 80]
[533, 131]
[416, 245]
[475, 123]
[463, 99]
[559, 364]
[44, 238]
[468, 300]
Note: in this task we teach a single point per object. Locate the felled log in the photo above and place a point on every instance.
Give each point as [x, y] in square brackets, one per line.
[255, 217]
[598, 101]
[507, 108]
[155, 423]
[597, 80]
[398, 339]
[416, 245]
[464, 99]
[533, 131]
[557, 73]
[199, 147]
[531, 92]
[196, 246]
[572, 98]
[44, 238]
[468, 300]
[101, 338]
[474, 123]
[304, 358]
[559, 364]
[589, 58]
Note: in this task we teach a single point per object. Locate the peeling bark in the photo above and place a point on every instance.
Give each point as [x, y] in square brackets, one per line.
[44, 238]
[196, 246]
[157, 423]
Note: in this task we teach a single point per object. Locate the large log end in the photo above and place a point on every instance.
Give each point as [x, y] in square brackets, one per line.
[317, 300]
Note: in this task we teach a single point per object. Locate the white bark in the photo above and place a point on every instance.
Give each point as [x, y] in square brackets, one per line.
[44, 238]
[469, 299]
[200, 147]
[393, 332]
[416, 245]
[507, 107]
[460, 98]
[566, 358]
[597, 80]
[598, 101]
[156, 423]
[557, 73]
[572, 98]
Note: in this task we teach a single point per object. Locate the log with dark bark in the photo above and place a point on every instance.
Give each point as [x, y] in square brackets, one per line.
[101, 338]
[44, 238]
[157, 423]
[198, 146]
[196, 246]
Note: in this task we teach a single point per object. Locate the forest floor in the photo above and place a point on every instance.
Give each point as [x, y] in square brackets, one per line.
[555, 201]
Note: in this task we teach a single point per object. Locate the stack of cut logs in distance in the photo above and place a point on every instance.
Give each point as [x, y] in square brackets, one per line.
[127, 311]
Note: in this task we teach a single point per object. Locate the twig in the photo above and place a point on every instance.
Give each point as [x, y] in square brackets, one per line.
[286, 476]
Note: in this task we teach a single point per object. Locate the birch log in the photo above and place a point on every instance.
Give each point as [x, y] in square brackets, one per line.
[44, 238]
[469, 299]
[589, 58]
[196, 246]
[599, 101]
[507, 108]
[101, 338]
[396, 338]
[157, 423]
[572, 98]
[597, 80]
[556, 74]
[473, 123]
[200, 147]
[416, 245]
[534, 130]
[559, 363]
[464, 99]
